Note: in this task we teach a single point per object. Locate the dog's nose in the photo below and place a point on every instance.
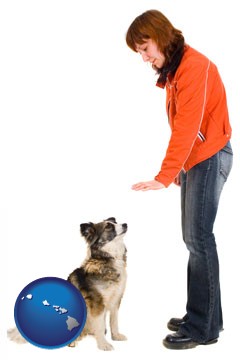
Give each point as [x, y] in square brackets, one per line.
[124, 226]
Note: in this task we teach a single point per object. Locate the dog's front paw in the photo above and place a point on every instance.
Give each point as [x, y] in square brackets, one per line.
[105, 346]
[119, 337]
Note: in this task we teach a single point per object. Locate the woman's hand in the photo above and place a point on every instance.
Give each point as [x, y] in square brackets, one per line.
[148, 185]
[177, 180]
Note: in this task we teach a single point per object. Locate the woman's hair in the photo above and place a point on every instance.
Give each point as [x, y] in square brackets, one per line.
[153, 25]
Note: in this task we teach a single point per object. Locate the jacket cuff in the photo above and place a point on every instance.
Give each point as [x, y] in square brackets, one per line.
[163, 179]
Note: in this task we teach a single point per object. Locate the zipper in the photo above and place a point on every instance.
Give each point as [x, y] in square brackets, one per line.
[168, 108]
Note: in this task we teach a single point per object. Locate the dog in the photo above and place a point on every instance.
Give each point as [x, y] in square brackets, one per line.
[101, 279]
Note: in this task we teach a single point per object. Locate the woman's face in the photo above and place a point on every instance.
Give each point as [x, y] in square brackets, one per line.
[150, 52]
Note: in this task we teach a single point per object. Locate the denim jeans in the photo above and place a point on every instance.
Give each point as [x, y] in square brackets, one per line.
[201, 188]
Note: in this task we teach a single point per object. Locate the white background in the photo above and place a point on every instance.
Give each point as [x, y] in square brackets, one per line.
[82, 121]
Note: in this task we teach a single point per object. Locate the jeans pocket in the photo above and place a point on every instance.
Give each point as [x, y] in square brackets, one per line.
[226, 160]
[228, 148]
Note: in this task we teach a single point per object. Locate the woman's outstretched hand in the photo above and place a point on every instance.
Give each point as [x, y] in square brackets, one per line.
[148, 185]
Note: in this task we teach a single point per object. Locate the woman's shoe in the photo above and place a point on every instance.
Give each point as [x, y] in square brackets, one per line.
[178, 341]
[175, 323]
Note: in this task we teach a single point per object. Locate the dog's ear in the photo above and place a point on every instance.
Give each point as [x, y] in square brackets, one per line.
[88, 231]
[112, 219]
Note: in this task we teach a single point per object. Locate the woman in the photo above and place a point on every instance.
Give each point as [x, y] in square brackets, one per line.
[198, 158]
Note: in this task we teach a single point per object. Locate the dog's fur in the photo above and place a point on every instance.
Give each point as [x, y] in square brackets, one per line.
[102, 278]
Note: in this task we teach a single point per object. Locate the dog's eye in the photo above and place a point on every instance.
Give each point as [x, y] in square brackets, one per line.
[109, 226]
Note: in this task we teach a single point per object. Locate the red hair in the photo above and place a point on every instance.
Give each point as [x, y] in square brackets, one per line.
[153, 25]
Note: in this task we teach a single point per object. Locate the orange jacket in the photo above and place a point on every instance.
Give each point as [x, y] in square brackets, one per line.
[198, 115]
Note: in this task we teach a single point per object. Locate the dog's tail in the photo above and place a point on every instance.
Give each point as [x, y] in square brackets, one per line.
[15, 336]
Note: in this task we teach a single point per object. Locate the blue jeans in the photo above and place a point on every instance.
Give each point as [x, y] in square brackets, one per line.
[201, 188]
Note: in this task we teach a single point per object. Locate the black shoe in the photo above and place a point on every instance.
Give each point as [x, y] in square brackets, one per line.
[179, 341]
[174, 323]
